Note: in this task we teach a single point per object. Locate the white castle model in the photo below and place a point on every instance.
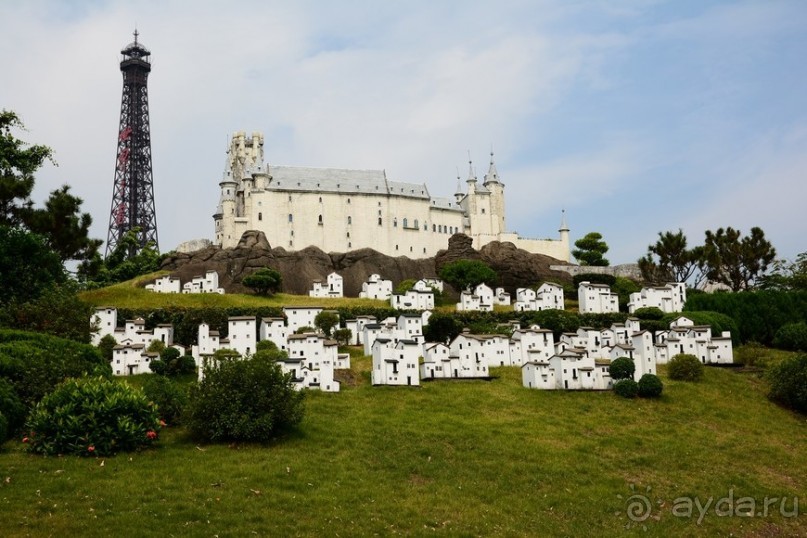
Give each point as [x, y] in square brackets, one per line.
[342, 210]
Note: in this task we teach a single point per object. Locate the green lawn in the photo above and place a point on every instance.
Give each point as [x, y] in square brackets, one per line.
[453, 458]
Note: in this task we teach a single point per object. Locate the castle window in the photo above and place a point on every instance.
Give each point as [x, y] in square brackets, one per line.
[379, 204]
[260, 216]
[416, 225]
[291, 217]
[291, 243]
[320, 200]
[319, 220]
[348, 200]
[395, 223]
[440, 228]
[396, 247]
[424, 250]
[379, 221]
[349, 244]
[228, 191]
[349, 220]
[483, 210]
[289, 197]
[348, 234]
[406, 223]
[410, 249]
[292, 233]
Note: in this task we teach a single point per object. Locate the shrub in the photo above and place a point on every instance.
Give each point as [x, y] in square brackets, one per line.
[788, 381]
[265, 345]
[169, 397]
[649, 313]
[264, 281]
[685, 367]
[12, 409]
[243, 400]
[627, 388]
[171, 363]
[650, 386]
[92, 416]
[106, 346]
[35, 363]
[622, 368]
[343, 336]
[791, 336]
[4, 431]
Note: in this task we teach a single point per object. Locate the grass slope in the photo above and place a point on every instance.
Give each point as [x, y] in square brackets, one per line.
[455, 458]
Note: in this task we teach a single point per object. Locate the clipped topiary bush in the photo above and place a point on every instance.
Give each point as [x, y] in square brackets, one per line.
[650, 386]
[621, 368]
[685, 367]
[243, 400]
[627, 388]
[788, 381]
[92, 416]
[12, 409]
[169, 396]
[791, 336]
[648, 313]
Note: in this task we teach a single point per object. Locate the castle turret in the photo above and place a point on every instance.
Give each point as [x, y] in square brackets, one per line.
[564, 231]
[496, 189]
[458, 194]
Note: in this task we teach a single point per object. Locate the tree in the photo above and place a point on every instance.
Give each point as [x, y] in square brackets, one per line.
[786, 276]
[326, 321]
[590, 250]
[442, 328]
[119, 266]
[18, 162]
[735, 260]
[464, 274]
[343, 336]
[404, 286]
[669, 260]
[27, 265]
[264, 281]
[106, 346]
[622, 368]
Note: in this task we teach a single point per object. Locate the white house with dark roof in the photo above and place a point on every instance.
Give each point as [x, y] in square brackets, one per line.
[209, 283]
[395, 364]
[376, 288]
[668, 298]
[132, 359]
[596, 299]
[332, 287]
[686, 337]
[438, 363]
[165, 284]
[413, 299]
[549, 296]
[300, 316]
[501, 297]
[320, 357]
[538, 374]
[481, 298]
[276, 331]
[242, 334]
[531, 345]
[356, 328]
[477, 352]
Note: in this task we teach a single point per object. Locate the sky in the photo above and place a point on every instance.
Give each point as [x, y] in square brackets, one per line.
[635, 117]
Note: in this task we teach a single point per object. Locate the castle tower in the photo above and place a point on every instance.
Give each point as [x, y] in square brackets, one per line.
[564, 232]
[133, 190]
[496, 189]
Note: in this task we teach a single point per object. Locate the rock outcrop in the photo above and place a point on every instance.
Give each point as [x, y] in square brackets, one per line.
[516, 268]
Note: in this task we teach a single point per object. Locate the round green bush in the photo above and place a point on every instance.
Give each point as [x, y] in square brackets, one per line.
[685, 367]
[648, 313]
[788, 380]
[791, 336]
[12, 409]
[243, 400]
[168, 395]
[622, 368]
[650, 386]
[627, 388]
[92, 417]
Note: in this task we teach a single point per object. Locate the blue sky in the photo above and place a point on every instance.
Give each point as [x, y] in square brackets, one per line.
[634, 116]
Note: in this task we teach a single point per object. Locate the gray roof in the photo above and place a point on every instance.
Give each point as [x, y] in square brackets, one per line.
[295, 178]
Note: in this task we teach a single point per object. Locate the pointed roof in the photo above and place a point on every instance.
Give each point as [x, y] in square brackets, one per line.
[563, 226]
[493, 175]
[459, 192]
[471, 175]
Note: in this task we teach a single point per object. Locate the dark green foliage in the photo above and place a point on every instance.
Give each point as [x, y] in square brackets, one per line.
[169, 396]
[326, 321]
[758, 314]
[627, 388]
[343, 336]
[92, 416]
[685, 367]
[128, 260]
[35, 363]
[650, 386]
[590, 250]
[623, 287]
[788, 380]
[244, 400]
[441, 328]
[735, 260]
[106, 346]
[594, 278]
[265, 345]
[264, 281]
[648, 313]
[786, 276]
[717, 321]
[404, 286]
[304, 330]
[464, 274]
[171, 363]
[622, 368]
[4, 431]
[669, 260]
[57, 311]
[791, 336]
[11, 408]
[27, 266]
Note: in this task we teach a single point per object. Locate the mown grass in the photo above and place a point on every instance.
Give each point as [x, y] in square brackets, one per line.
[453, 458]
[131, 294]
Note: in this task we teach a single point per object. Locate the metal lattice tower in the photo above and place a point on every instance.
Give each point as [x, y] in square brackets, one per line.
[133, 192]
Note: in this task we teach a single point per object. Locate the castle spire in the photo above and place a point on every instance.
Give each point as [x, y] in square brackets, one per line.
[493, 175]
[458, 192]
[471, 176]
[563, 226]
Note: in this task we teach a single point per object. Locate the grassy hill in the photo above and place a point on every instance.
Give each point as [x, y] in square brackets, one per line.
[451, 458]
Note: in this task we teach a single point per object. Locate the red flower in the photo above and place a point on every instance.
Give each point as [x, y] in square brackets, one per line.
[151, 434]
[91, 449]
[25, 439]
